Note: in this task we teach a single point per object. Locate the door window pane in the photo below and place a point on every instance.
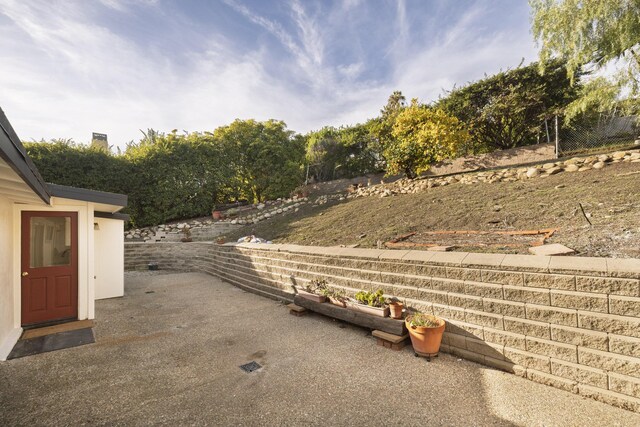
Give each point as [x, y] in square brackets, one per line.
[50, 241]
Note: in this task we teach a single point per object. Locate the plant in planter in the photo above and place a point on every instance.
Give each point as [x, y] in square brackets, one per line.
[216, 214]
[336, 297]
[395, 308]
[315, 290]
[426, 332]
[220, 240]
[187, 235]
[371, 302]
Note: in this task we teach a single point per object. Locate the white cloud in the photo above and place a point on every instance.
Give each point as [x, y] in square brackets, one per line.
[64, 74]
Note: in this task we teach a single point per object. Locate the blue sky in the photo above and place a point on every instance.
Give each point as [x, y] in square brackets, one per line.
[116, 66]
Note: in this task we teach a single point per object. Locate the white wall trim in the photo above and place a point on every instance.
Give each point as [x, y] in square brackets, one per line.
[9, 343]
[85, 232]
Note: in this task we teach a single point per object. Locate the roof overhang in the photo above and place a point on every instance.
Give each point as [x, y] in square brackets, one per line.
[20, 181]
[103, 201]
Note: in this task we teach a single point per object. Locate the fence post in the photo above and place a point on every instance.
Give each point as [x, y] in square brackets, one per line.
[557, 141]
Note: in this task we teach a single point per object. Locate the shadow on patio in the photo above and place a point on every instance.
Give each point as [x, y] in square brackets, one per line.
[169, 353]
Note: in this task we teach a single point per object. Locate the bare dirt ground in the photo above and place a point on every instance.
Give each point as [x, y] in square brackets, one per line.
[610, 225]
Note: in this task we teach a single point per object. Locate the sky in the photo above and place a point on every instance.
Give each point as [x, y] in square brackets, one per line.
[70, 68]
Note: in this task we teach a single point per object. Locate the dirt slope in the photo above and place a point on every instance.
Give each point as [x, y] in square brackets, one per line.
[610, 198]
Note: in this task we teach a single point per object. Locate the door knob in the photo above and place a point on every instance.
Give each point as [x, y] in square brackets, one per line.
[25, 273]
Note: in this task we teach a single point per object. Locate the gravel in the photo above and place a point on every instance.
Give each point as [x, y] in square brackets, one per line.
[172, 357]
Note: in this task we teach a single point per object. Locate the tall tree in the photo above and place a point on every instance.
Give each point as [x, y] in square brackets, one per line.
[422, 136]
[593, 34]
[508, 109]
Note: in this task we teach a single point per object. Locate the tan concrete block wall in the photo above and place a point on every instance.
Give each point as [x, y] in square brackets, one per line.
[569, 322]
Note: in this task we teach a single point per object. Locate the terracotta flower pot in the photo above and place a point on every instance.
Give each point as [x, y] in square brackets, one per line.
[311, 297]
[220, 240]
[339, 303]
[216, 215]
[395, 310]
[425, 341]
[375, 311]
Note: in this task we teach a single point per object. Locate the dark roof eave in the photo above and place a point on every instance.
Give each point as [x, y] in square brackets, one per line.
[86, 195]
[108, 215]
[14, 154]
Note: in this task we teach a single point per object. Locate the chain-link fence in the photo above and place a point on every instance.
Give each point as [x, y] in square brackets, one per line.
[604, 131]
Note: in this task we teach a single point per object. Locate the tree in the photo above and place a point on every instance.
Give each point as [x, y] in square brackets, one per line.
[508, 109]
[592, 34]
[422, 136]
[266, 156]
[343, 152]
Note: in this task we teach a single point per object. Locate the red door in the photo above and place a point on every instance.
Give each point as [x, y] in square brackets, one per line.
[49, 266]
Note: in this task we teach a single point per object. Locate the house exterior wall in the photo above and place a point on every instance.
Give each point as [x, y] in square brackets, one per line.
[109, 262]
[9, 332]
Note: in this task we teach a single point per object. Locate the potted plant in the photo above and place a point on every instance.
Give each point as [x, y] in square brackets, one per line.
[220, 240]
[187, 235]
[395, 309]
[371, 303]
[336, 297]
[313, 291]
[215, 214]
[426, 332]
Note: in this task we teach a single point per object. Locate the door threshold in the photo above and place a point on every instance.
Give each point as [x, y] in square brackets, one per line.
[68, 325]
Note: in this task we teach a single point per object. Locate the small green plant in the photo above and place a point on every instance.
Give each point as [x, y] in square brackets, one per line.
[316, 286]
[424, 320]
[373, 299]
[337, 294]
[186, 232]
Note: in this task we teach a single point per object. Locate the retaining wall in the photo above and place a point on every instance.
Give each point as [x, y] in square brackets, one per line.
[569, 322]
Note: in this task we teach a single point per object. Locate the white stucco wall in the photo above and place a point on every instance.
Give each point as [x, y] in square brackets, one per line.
[9, 333]
[109, 258]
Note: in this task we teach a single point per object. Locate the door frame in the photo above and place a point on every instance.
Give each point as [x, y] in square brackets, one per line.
[26, 253]
[86, 270]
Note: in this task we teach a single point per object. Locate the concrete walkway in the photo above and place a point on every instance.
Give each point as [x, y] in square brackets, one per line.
[169, 351]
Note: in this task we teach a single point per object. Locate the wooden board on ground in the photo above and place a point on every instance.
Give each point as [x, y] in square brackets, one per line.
[63, 327]
[385, 324]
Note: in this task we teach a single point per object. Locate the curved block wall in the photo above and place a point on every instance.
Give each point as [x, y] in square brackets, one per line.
[569, 322]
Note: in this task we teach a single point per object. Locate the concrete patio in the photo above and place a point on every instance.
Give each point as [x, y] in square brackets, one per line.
[169, 353]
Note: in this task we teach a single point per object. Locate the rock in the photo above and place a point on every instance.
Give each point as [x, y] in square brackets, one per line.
[598, 165]
[548, 165]
[129, 236]
[557, 187]
[573, 161]
[554, 170]
[533, 172]
[619, 154]
[572, 167]
[440, 248]
[553, 249]
[497, 208]
[584, 168]
[260, 206]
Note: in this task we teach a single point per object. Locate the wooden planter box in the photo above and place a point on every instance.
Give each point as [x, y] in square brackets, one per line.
[361, 318]
[374, 311]
[311, 297]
